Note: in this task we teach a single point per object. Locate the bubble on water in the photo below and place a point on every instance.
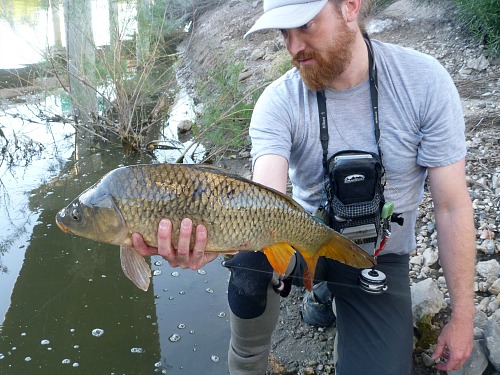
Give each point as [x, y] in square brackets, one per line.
[181, 326]
[137, 350]
[97, 332]
[202, 271]
[208, 290]
[222, 314]
[175, 274]
[45, 342]
[27, 359]
[175, 337]
[156, 272]
[214, 358]
[66, 361]
[182, 292]
[158, 263]
[76, 364]
[191, 331]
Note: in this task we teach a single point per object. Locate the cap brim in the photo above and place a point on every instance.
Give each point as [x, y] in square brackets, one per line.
[287, 17]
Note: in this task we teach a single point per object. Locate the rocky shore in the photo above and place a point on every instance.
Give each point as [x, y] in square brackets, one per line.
[433, 29]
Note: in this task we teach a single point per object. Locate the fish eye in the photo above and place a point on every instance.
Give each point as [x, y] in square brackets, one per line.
[75, 214]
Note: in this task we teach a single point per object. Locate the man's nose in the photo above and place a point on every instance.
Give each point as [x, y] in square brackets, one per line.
[294, 42]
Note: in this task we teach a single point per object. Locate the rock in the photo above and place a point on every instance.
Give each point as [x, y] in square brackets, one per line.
[244, 75]
[488, 268]
[476, 364]
[430, 257]
[184, 126]
[427, 299]
[478, 64]
[492, 338]
[495, 288]
[257, 54]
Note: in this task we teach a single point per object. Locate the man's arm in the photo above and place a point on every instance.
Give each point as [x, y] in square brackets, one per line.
[457, 253]
[272, 171]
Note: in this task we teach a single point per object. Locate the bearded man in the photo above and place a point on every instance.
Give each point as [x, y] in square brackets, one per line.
[375, 97]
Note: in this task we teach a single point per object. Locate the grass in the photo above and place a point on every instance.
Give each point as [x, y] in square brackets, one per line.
[482, 18]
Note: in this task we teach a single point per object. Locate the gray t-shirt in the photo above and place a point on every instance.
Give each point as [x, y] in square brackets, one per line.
[421, 124]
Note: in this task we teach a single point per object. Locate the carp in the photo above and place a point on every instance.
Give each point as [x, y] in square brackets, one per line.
[240, 215]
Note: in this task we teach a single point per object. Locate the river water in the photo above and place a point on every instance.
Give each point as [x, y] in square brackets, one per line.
[65, 305]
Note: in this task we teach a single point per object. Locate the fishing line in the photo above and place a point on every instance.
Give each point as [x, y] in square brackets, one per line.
[294, 276]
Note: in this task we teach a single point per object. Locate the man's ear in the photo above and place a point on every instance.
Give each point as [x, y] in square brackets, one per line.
[350, 10]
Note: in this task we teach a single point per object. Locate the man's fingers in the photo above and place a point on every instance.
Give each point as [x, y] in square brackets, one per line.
[141, 246]
[197, 259]
[184, 242]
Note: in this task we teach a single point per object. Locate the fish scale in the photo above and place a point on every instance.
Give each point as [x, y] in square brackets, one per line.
[240, 215]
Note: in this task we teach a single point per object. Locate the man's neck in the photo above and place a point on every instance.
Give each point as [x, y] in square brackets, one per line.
[357, 71]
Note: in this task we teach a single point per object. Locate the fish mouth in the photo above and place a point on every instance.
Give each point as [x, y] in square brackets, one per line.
[61, 226]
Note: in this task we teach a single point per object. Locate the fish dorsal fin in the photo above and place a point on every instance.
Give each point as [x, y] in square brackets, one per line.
[279, 256]
[135, 267]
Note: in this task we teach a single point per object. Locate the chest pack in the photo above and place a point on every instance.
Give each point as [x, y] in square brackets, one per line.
[354, 183]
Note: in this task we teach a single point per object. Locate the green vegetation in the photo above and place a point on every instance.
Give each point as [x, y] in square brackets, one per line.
[482, 18]
[227, 108]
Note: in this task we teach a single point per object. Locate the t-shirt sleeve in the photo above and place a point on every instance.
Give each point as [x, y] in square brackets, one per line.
[270, 126]
[442, 123]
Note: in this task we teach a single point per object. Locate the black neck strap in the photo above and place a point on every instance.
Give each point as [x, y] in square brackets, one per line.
[372, 73]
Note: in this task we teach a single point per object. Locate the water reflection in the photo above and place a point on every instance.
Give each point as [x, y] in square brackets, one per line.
[27, 29]
[72, 307]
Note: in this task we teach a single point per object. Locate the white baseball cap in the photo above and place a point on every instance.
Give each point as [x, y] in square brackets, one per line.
[286, 14]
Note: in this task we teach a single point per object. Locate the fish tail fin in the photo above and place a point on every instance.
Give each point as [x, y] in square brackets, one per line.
[279, 255]
[135, 267]
[342, 249]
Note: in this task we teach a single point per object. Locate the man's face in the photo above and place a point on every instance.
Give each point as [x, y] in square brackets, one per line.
[321, 49]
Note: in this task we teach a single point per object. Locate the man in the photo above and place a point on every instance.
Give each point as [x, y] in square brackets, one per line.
[421, 134]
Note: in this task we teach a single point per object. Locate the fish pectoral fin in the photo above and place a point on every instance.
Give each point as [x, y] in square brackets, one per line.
[135, 267]
[279, 256]
[347, 252]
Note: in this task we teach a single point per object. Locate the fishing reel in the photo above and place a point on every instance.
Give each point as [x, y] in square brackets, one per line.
[372, 281]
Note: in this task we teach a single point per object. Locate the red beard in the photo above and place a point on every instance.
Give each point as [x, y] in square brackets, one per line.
[328, 65]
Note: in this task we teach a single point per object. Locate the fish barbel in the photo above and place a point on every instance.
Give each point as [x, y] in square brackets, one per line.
[240, 215]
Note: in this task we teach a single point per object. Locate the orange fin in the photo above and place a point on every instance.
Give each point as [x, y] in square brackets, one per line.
[308, 280]
[311, 262]
[279, 256]
[346, 251]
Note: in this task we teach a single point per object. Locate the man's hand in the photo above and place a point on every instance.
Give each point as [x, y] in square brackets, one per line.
[454, 345]
[180, 256]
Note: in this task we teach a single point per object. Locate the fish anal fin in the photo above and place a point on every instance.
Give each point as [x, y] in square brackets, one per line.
[311, 262]
[135, 267]
[347, 252]
[279, 255]
[308, 280]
